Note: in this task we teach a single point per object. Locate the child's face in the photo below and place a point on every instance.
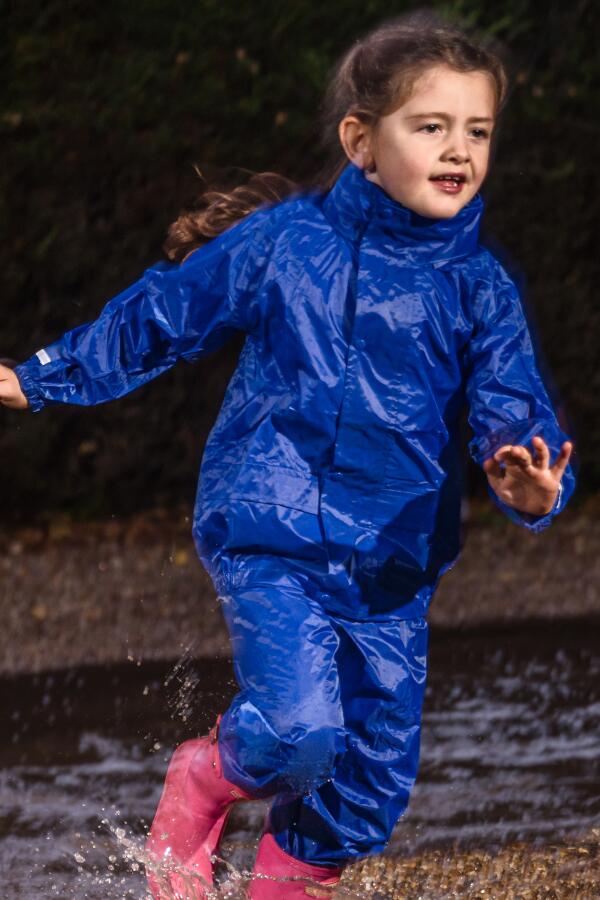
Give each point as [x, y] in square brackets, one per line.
[432, 153]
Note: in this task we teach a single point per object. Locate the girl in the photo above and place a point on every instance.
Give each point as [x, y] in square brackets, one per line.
[328, 505]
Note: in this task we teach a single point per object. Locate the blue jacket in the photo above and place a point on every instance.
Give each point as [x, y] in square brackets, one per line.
[367, 327]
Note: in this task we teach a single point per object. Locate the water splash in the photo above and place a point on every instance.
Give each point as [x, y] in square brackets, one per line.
[182, 684]
[176, 882]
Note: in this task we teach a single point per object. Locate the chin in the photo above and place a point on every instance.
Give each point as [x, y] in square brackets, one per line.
[429, 213]
[449, 214]
[441, 210]
[445, 207]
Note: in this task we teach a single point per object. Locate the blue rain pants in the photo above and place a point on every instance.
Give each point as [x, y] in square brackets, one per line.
[328, 714]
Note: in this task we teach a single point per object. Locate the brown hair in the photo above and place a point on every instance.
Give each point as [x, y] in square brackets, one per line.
[215, 211]
[373, 78]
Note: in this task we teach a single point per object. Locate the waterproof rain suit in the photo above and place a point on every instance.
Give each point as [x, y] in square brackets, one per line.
[328, 503]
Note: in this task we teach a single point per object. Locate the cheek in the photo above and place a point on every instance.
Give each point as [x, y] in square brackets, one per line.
[397, 159]
[406, 167]
[483, 163]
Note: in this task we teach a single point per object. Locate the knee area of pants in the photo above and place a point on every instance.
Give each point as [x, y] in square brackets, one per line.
[308, 757]
[280, 746]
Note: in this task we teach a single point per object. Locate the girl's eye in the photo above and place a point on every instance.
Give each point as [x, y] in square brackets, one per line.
[430, 128]
[480, 133]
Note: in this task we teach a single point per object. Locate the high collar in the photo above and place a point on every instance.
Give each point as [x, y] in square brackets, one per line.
[355, 204]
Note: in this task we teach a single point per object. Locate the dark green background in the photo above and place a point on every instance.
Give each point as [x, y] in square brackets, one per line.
[105, 109]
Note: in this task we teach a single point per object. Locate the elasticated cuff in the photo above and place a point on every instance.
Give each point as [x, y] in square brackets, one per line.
[29, 388]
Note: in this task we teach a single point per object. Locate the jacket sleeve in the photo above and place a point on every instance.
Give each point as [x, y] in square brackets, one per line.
[172, 312]
[508, 402]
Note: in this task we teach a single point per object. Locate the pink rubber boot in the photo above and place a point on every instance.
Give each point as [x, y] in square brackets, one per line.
[289, 878]
[189, 821]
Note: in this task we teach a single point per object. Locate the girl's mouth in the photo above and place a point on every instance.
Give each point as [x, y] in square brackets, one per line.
[450, 184]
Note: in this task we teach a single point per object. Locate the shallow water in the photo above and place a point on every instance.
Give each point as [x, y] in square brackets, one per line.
[510, 751]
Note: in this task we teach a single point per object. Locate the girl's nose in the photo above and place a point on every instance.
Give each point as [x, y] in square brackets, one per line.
[458, 156]
[456, 150]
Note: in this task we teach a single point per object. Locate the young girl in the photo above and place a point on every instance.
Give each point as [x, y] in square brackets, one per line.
[328, 506]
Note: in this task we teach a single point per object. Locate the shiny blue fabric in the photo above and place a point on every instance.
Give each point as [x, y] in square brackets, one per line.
[328, 714]
[367, 328]
[331, 477]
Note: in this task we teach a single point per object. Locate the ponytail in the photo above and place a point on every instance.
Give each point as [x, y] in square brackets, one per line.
[215, 211]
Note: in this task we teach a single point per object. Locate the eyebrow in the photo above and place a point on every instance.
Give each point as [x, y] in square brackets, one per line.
[441, 115]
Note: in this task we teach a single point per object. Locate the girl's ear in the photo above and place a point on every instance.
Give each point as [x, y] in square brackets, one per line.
[356, 139]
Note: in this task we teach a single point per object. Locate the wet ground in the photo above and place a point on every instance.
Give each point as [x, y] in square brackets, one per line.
[508, 795]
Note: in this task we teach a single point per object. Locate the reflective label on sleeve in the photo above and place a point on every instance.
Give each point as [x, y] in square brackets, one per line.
[43, 357]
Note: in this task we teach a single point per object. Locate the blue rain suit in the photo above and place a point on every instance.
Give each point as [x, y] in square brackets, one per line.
[329, 496]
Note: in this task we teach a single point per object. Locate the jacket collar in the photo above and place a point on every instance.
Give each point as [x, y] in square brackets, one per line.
[355, 205]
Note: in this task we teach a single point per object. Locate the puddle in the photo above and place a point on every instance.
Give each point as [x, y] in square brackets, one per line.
[510, 752]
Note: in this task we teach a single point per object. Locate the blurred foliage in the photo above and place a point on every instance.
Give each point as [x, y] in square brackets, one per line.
[106, 108]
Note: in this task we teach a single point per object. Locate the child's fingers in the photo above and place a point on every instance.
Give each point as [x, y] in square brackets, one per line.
[4, 384]
[514, 455]
[541, 452]
[11, 394]
[562, 460]
[7, 377]
[522, 456]
[502, 453]
[492, 467]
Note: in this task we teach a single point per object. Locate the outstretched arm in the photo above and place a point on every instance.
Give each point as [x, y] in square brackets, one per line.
[171, 313]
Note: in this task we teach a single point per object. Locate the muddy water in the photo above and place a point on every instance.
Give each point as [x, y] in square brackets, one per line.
[510, 751]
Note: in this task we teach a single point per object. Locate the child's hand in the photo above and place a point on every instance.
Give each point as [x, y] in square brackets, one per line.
[525, 483]
[11, 394]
